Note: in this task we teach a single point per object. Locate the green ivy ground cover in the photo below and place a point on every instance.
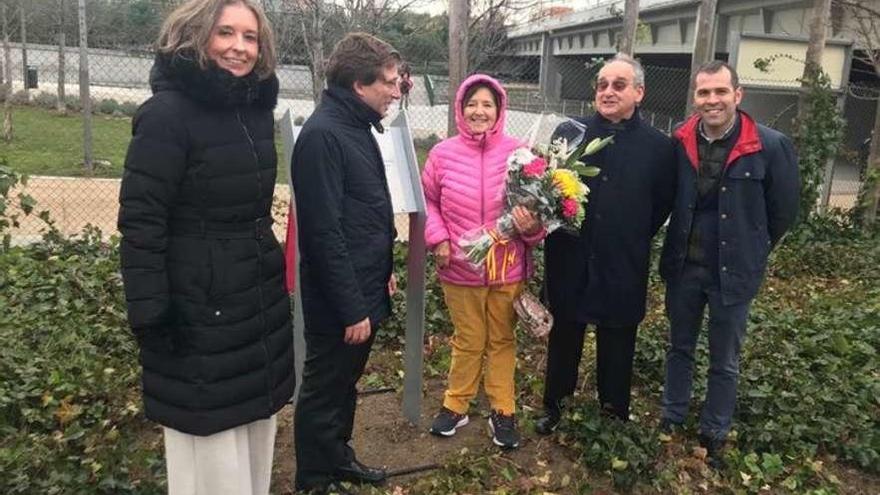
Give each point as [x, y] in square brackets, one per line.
[71, 419]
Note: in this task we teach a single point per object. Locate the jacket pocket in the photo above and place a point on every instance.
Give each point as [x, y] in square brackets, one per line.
[747, 170]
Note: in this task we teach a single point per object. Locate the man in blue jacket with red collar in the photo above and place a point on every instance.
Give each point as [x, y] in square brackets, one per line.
[738, 190]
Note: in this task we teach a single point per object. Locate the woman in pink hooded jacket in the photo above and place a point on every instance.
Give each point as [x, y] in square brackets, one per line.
[464, 182]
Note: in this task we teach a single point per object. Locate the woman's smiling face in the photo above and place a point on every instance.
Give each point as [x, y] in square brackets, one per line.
[235, 40]
[480, 111]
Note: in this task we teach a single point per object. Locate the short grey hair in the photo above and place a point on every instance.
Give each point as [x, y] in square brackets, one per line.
[638, 70]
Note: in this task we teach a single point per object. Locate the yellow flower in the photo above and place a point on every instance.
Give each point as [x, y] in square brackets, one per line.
[567, 182]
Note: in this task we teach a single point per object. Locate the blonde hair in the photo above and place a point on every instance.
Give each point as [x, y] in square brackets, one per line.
[190, 26]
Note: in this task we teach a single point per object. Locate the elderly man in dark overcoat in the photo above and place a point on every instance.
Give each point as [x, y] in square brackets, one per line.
[599, 275]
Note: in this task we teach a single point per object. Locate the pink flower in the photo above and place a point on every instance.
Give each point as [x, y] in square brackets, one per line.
[569, 208]
[535, 168]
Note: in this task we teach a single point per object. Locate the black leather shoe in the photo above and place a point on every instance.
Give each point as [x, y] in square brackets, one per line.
[669, 427]
[714, 451]
[359, 473]
[547, 423]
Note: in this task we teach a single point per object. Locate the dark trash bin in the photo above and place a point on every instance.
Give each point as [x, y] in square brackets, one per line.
[31, 77]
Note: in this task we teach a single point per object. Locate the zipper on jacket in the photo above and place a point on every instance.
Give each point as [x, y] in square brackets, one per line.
[250, 139]
[483, 196]
[269, 378]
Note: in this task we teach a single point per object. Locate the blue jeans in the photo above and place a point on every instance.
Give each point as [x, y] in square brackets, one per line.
[686, 300]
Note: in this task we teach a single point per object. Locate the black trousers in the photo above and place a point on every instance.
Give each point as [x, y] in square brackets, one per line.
[324, 415]
[615, 347]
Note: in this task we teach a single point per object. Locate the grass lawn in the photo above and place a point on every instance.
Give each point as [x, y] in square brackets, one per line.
[47, 143]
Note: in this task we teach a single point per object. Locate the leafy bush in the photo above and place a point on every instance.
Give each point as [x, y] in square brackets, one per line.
[10, 179]
[108, 106]
[70, 417]
[20, 97]
[128, 108]
[436, 316]
[46, 100]
[74, 104]
[69, 401]
[426, 143]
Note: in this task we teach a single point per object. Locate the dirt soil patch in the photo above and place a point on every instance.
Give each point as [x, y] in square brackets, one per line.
[382, 437]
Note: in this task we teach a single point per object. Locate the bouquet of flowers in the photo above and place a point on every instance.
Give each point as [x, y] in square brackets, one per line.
[546, 180]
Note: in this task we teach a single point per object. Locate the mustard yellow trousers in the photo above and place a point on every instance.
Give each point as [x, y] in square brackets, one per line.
[484, 322]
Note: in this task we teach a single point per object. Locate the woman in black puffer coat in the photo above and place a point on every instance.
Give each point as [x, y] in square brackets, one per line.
[202, 270]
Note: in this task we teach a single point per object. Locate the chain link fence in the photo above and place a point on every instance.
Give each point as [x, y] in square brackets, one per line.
[119, 54]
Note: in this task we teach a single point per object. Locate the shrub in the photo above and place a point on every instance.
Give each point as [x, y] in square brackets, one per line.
[20, 97]
[70, 419]
[107, 106]
[70, 412]
[74, 104]
[426, 143]
[128, 108]
[46, 100]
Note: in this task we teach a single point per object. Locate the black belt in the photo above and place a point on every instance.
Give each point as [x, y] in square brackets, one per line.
[253, 229]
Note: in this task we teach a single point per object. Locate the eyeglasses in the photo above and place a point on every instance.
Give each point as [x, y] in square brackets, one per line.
[617, 85]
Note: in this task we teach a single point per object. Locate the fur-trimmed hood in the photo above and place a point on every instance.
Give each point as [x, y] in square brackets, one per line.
[213, 87]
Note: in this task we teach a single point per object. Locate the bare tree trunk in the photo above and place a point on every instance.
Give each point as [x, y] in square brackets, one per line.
[24, 64]
[62, 107]
[84, 96]
[630, 23]
[704, 43]
[871, 194]
[7, 57]
[818, 35]
[821, 16]
[313, 36]
[458, 50]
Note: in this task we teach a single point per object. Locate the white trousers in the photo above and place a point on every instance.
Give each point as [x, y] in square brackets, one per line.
[232, 462]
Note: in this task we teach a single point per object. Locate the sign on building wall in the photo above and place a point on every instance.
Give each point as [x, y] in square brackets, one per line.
[789, 55]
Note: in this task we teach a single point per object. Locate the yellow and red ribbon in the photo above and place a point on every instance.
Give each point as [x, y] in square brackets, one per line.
[508, 258]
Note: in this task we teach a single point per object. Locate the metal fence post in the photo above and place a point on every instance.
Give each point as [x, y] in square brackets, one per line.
[84, 94]
[24, 61]
[62, 43]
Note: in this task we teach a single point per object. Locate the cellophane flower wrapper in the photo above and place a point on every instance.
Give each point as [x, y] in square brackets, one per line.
[546, 180]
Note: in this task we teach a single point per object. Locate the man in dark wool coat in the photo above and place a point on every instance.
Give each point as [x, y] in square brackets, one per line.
[599, 275]
[346, 232]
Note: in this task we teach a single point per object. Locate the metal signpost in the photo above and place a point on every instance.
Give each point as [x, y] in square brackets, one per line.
[404, 184]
